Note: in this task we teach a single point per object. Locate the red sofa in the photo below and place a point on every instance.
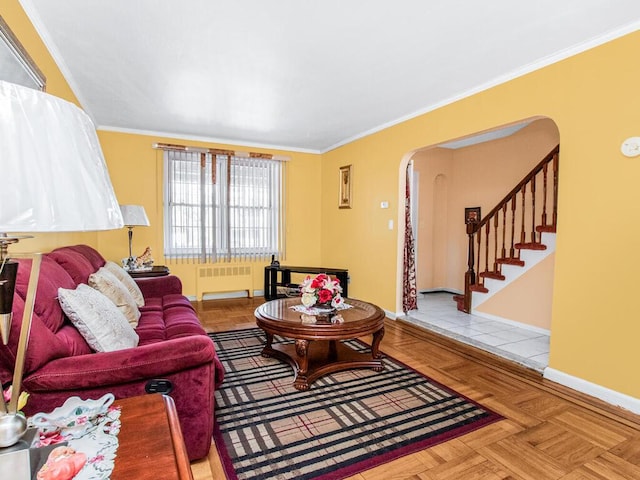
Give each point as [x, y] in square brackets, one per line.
[59, 364]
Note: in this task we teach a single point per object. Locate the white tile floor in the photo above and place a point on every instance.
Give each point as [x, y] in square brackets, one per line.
[437, 311]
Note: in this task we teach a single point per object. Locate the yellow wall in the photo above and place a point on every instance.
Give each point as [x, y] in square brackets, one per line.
[593, 99]
[528, 299]
[136, 174]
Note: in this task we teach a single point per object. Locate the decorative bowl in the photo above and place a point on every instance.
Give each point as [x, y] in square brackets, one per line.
[74, 417]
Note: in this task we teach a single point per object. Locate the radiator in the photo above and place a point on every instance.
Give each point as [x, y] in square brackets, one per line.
[227, 278]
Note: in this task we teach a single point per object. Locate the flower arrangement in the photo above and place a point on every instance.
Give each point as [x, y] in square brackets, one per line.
[321, 290]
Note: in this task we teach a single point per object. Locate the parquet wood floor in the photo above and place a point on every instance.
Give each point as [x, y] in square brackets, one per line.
[549, 433]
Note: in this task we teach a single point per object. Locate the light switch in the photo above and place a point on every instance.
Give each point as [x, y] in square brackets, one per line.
[390, 224]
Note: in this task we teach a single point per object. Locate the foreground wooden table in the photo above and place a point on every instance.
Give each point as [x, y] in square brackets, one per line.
[317, 350]
[150, 441]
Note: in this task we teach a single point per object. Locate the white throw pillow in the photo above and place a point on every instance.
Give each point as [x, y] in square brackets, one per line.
[106, 283]
[98, 320]
[127, 281]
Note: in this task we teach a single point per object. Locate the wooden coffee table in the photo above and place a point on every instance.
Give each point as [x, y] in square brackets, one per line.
[317, 349]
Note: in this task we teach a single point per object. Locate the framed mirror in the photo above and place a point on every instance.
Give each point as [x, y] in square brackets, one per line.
[16, 66]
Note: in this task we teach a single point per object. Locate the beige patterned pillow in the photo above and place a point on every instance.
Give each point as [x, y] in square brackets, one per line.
[98, 320]
[127, 281]
[106, 283]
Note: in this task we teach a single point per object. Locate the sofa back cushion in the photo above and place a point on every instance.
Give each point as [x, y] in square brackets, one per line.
[44, 345]
[52, 335]
[74, 262]
[95, 258]
[52, 276]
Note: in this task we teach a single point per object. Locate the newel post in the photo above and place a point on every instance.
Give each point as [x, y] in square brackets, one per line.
[470, 274]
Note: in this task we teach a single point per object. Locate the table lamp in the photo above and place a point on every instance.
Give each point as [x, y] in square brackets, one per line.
[55, 180]
[133, 216]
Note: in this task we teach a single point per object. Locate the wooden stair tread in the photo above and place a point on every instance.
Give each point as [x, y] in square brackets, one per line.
[493, 275]
[546, 228]
[478, 288]
[459, 299]
[530, 246]
[510, 261]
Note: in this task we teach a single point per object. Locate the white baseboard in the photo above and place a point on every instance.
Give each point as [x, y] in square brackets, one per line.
[610, 396]
[441, 290]
[222, 295]
[392, 315]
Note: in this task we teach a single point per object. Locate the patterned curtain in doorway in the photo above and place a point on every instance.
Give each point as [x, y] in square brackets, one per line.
[409, 288]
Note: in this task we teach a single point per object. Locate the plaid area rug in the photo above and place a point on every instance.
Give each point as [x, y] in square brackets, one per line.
[345, 423]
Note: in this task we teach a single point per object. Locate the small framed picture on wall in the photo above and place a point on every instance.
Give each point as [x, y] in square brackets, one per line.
[344, 200]
[472, 215]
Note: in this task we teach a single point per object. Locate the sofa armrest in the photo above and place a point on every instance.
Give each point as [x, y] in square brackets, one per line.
[153, 287]
[124, 366]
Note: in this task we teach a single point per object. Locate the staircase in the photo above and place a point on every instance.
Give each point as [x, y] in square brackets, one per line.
[516, 234]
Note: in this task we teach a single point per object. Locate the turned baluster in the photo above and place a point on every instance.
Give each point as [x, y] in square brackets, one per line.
[512, 252]
[503, 252]
[545, 169]
[479, 255]
[555, 190]
[533, 209]
[487, 230]
[495, 242]
[523, 237]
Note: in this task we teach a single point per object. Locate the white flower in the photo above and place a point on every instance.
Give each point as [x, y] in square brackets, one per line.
[308, 299]
[337, 301]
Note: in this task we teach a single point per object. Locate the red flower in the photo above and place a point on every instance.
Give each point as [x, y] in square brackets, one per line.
[324, 296]
[318, 282]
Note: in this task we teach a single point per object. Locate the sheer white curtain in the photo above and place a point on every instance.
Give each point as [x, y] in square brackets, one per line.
[223, 207]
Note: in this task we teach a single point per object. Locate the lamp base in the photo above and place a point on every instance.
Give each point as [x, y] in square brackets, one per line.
[8, 274]
[12, 427]
[5, 326]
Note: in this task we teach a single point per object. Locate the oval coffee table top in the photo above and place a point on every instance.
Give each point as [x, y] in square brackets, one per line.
[278, 317]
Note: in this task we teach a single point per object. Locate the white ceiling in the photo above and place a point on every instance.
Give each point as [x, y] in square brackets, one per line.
[303, 75]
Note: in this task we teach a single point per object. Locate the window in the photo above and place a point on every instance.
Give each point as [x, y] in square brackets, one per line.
[219, 207]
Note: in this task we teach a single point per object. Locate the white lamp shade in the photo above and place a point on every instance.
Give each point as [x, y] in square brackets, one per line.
[54, 176]
[134, 216]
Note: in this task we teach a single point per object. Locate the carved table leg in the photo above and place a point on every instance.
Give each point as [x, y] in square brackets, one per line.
[267, 347]
[302, 350]
[375, 353]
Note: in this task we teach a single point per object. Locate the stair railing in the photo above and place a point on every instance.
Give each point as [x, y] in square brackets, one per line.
[497, 238]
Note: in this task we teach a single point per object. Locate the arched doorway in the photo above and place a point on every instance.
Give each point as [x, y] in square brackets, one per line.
[475, 171]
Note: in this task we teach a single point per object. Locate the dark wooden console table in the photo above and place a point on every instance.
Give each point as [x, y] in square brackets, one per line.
[271, 282]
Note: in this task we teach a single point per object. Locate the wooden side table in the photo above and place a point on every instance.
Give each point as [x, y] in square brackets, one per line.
[151, 446]
[156, 271]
